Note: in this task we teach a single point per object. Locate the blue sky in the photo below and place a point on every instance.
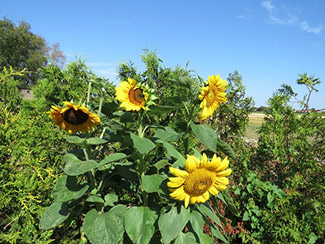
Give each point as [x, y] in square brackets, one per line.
[269, 42]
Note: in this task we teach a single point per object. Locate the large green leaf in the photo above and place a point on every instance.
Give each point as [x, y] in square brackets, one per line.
[152, 183]
[105, 228]
[206, 135]
[226, 149]
[139, 224]
[75, 139]
[185, 238]
[167, 134]
[171, 151]
[74, 166]
[95, 141]
[158, 110]
[227, 199]
[142, 144]
[172, 223]
[54, 215]
[208, 212]
[197, 223]
[112, 158]
[67, 188]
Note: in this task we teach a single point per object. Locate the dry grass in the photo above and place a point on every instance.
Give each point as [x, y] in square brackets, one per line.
[255, 121]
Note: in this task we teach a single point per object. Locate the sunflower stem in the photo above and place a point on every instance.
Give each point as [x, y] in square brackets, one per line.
[91, 173]
[88, 93]
[100, 106]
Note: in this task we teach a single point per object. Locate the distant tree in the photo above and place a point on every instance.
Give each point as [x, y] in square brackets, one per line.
[20, 48]
[56, 56]
[309, 81]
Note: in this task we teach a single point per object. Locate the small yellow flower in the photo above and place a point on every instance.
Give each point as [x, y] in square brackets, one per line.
[132, 96]
[212, 95]
[199, 179]
[74, 118]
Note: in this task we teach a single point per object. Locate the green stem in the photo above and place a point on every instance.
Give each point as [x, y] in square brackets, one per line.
[90, 173]
[88, 93]
[100, 105]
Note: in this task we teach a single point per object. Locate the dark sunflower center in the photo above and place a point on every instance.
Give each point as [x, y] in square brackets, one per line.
[75, 117]
[136, 96]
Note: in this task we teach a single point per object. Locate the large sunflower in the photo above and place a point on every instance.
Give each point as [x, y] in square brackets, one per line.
[199, 180]
[74, 118]
[132, 96]
[212, 95]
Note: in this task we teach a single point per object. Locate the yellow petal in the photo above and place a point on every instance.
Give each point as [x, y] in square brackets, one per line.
[186, 200]
[178, 172]
[193, 200]
[178, 194]
[191, 163]
[224, 173]
[204, 161]
[175, 182]
[222, 181]
[220, 187]
[223, 165]
[213, 191]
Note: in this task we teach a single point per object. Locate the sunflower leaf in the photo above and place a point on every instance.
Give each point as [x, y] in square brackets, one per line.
[143, 230]
[172, 223]
[75, 139]
[197, 223]
[167, 134]
[158, 110]
[54, 215]
[206, 210]
[105, 227]
[227, 199]
[226, 149]
[66, 189]
[206, 135]
[142, 144]
[112, 158]
[152, 183]
[185, 238]
[95, 141]
[74, 166]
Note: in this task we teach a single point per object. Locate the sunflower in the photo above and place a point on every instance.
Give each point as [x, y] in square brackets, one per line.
[132, 96]
[74, 118]
[199, 180]
[212, 95]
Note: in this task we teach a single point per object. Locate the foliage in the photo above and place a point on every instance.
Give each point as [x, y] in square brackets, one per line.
[21, 49]
[232, 117]
[72, 83]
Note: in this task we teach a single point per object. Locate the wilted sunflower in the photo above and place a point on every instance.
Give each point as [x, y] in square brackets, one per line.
[132, 96]
[212, 95]
[74, 118]
[199, 180]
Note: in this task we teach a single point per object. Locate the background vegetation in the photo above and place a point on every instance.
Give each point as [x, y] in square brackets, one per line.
[277, 184]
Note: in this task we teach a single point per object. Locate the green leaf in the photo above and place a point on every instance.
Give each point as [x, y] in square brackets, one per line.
[206, 135]
[216, 232]
[105, 228]
[167, 134]
[95, 141]
[185, 238]
[74, 166]
[183, 81]
[312, 238]
[66, 189]
[75, 139]
[172, 223]
[54, 215]
[245, 216]
[96, 199]
[171, 151]
[226, 149]
[142, 144]
[110, 199]
[159, 109]
[208, 212]
[152, 183]
[127, 117]
[229, 202]
[161, 164]
[112, 158]
[139, 224]
[197, 223]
